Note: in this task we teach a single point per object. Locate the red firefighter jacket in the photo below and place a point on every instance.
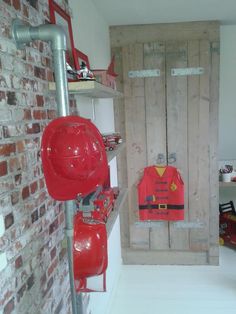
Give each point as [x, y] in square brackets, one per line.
[161, 194]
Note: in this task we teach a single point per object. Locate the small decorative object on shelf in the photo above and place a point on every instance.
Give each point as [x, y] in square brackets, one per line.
[84, 74]
[98, 204]
[226, 173]
[111, 140]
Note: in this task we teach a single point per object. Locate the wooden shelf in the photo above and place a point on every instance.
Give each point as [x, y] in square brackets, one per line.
[118, 205]
[227, 184]
[91, 89]
[112, 154]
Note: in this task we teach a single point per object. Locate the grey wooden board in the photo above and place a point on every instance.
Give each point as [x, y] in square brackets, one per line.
[119, 115]
[199, 240]
[144, 257]
[177, 131]
[124, 35]
[154, 57]
[193, 139]
[136, 135]
[214, 191]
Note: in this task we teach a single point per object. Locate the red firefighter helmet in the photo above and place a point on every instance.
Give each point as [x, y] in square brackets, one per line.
[73, 156]
[89, 247]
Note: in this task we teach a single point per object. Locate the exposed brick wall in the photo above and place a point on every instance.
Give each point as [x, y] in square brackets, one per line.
[36, 277]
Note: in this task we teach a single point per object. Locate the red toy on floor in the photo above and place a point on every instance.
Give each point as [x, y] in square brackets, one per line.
[228, 224]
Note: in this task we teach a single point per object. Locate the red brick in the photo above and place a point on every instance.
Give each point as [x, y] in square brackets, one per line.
[18, 179]
[9, 220]
[41, 184]
[40, 73]
[49, 285]
[30, 282]
[14, 164]
[18, 262]
[33, 187]
[3, 168]
[20, 146]
[6, 133]
[33, 3]
[53, 226]
[15, 197]
[52, 114]
[61, 218]
[6, 295]
[34, 216]
[33, 128]
[2, 96]
[7, 149]
[16, 4]
[25, 192]
[27, 114]
[62, 253]
[46, 61]
[39, 114]
[25, 11]
[50, 76]
[53, 253]
[21, 292]
[7, 1]
[9, 307]
[42, 210]
[11, 98]
[41, 46]
[52, 267]
[40, 100]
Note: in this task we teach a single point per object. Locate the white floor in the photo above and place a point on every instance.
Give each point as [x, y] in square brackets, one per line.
[178, 289]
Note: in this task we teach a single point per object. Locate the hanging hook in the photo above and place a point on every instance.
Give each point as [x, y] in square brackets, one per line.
[172, 158]
[160, 159]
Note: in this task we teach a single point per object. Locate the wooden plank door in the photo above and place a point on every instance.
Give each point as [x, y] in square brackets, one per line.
[172, 115]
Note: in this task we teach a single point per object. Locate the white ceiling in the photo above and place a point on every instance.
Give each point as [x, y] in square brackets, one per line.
[125, 12]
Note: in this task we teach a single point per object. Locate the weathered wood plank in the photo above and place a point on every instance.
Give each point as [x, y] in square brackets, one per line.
[214, 191]
[136, 133]
[124, 35]
[144, 257]
[193, 143]
[177, 131]
[119, 115]
[154, 58]
[200, 240]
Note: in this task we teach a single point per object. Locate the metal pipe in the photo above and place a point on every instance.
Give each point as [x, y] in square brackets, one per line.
[55, 34]
[69, 214]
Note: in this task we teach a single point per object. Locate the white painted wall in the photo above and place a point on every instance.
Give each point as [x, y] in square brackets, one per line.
[91, 36]
[227, 106]
[227, 109]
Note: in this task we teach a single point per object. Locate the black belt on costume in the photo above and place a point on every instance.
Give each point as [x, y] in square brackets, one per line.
[161, 206]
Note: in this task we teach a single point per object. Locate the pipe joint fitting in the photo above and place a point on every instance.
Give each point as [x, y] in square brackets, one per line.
[47, 32]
